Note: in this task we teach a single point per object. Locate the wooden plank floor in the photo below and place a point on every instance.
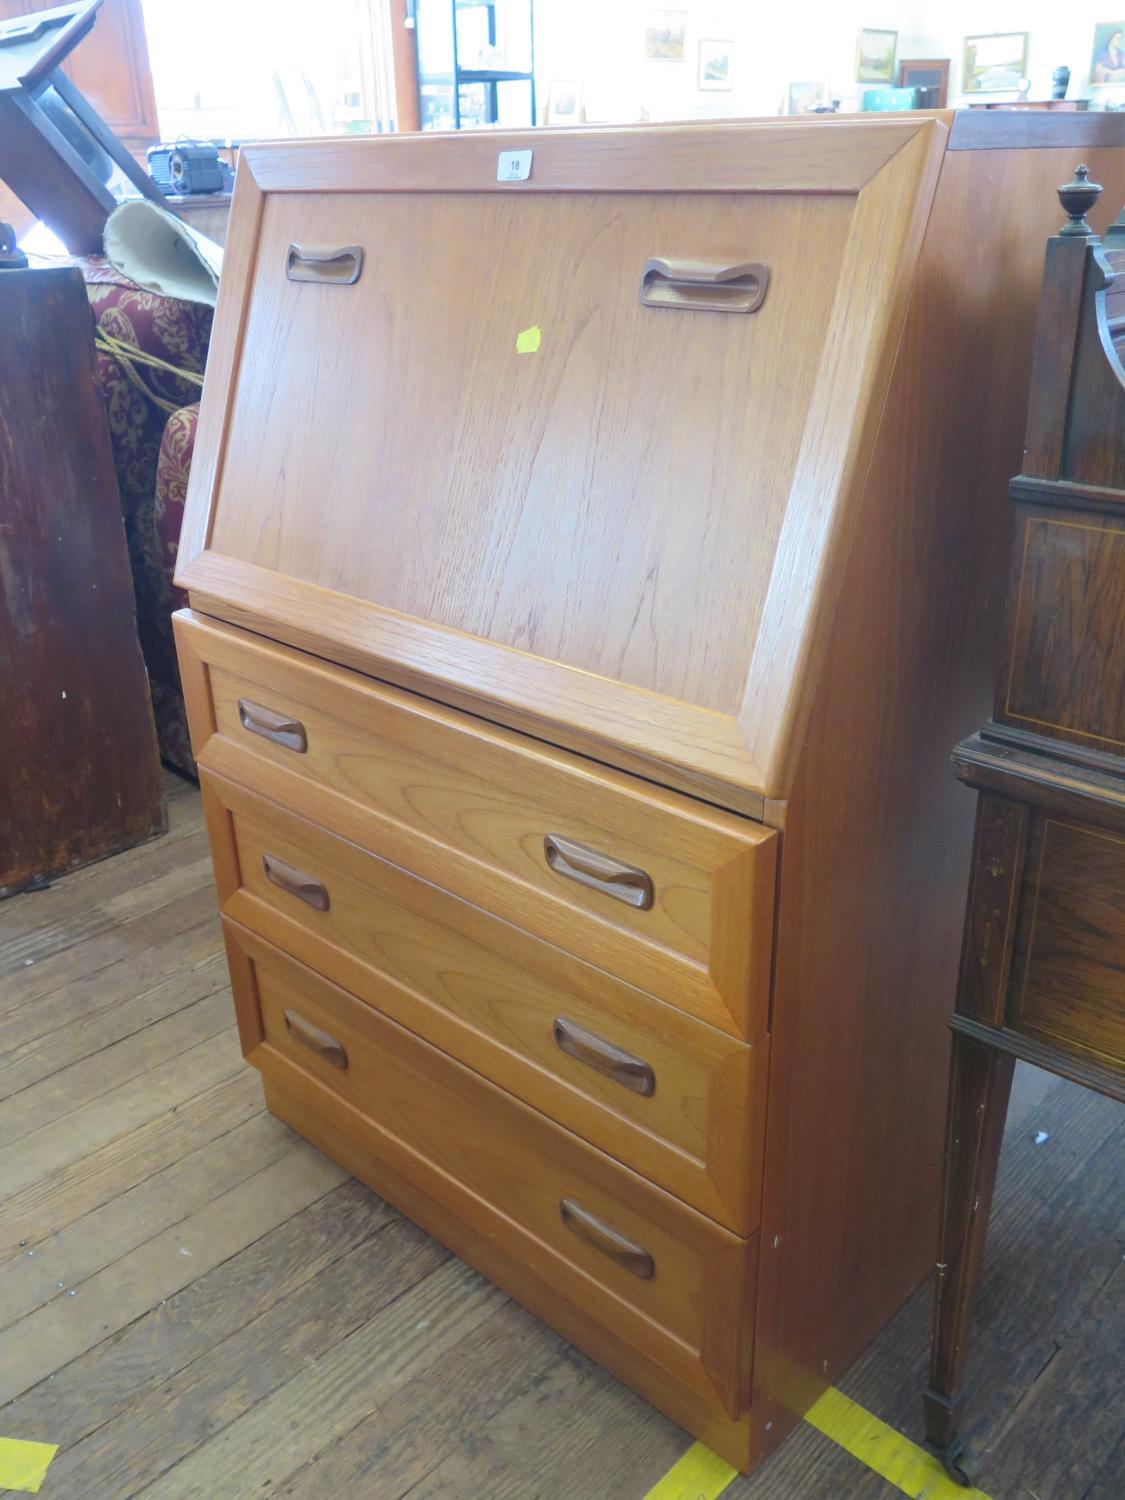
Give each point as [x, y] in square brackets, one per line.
[194, 1302]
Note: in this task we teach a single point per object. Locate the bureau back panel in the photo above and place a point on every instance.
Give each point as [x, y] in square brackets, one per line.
[584, 448]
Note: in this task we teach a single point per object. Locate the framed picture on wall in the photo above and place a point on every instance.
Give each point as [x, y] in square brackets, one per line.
[875, 56]
[800, 98]
[929, 73]
[564, 103]
[664, 35]
[1107, 65]
[714, 64]
[994, 64]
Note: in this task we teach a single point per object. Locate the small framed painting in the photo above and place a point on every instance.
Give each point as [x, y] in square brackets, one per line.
[928, 73]
[801, 98]
[875, 56]
[564, 103]
[714, 64]
[664, 35]
[994, 64]
[1107, 65]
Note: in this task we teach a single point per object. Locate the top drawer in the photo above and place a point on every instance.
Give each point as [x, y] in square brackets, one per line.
[669, 894]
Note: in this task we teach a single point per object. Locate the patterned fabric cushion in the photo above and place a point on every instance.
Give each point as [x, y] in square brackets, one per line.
[152, 452]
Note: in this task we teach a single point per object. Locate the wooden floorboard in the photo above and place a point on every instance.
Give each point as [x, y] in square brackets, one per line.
[195, 1303]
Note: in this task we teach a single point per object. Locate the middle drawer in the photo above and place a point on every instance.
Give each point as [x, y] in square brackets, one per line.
[670, 1096]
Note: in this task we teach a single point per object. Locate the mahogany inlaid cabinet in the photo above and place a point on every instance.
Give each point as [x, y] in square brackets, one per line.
[584, 548]
[1043, 962]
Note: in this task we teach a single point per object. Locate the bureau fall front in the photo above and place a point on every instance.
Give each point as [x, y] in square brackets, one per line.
[579, 621]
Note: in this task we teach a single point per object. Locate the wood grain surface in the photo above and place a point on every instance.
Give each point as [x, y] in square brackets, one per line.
[79, 769]
[504, 1170]
[490, 996]
[564, 578]
[469, 807]
[1068, 967]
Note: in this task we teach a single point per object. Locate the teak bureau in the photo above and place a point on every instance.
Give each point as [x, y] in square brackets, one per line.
[586, 582]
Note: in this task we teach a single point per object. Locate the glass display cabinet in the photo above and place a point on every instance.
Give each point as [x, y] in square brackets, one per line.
[475, 63]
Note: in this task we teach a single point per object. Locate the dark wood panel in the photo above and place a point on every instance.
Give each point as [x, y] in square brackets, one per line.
[1094, 452]
[994, 882]
[111, 66]
[1066, 675]
[1068, 975]
[79, 771]
[994, 130]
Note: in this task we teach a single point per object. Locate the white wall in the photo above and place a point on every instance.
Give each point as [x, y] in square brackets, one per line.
[600, 43]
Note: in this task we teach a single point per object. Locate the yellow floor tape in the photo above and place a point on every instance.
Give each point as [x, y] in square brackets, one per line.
[900, 1462]
[702, 1475]
[699, 1475]
[23, 1465]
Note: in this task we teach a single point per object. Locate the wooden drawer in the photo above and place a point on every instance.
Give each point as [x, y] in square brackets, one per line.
[1067, 983]
[661, 1277]
[679, 1101]
[683, 904]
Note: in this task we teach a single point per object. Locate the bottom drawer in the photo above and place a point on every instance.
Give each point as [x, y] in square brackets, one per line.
[660, 1277]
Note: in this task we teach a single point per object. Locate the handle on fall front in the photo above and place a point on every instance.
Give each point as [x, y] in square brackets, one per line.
[587, 1047]
[315, 1040]
[288, 878]
[599, 872]
[331, 265]
[271, 725]
[609, 1241]
[704, 285]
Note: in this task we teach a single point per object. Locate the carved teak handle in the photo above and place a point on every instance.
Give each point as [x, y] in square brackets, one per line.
[609, 1241]
[334, 265]
[586, 1047]
[280, 728]
[288, 878]
[704, 285]
[315, 1040]
[599, 872]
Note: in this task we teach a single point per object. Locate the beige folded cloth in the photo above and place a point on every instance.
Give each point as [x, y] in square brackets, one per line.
[161, 253]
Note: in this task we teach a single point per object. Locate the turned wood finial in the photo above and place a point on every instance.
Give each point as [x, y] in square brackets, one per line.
[1078, 197]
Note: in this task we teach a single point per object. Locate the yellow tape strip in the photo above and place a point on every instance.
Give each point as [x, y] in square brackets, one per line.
[910, 1468]
[699, 1475]
[23, 1465]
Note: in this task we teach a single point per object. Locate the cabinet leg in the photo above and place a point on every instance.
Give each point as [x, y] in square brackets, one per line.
[979, 1086]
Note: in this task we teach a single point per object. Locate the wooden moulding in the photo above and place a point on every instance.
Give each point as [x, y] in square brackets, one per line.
[736, 759]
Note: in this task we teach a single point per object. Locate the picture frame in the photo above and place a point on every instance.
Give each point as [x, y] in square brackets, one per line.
[801, 98]
[994, 63]
[875, 55]
[565, 105]
[928, 73]
[715, 55]
[665, 34]
[1107, 59]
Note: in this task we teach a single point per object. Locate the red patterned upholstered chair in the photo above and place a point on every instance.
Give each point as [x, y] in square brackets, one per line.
[152, 416]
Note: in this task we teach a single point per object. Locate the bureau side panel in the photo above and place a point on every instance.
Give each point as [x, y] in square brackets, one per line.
[877, 833]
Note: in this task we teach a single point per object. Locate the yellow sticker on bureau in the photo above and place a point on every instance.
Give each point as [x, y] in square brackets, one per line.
[527, 342]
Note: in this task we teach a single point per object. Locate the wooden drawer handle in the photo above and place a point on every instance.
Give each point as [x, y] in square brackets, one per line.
[604, 1237]
[305, 887]
[280, 728]
[331, 265]
[704, 285]
[598, 871]
[315, 1040]
[629, 1071]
